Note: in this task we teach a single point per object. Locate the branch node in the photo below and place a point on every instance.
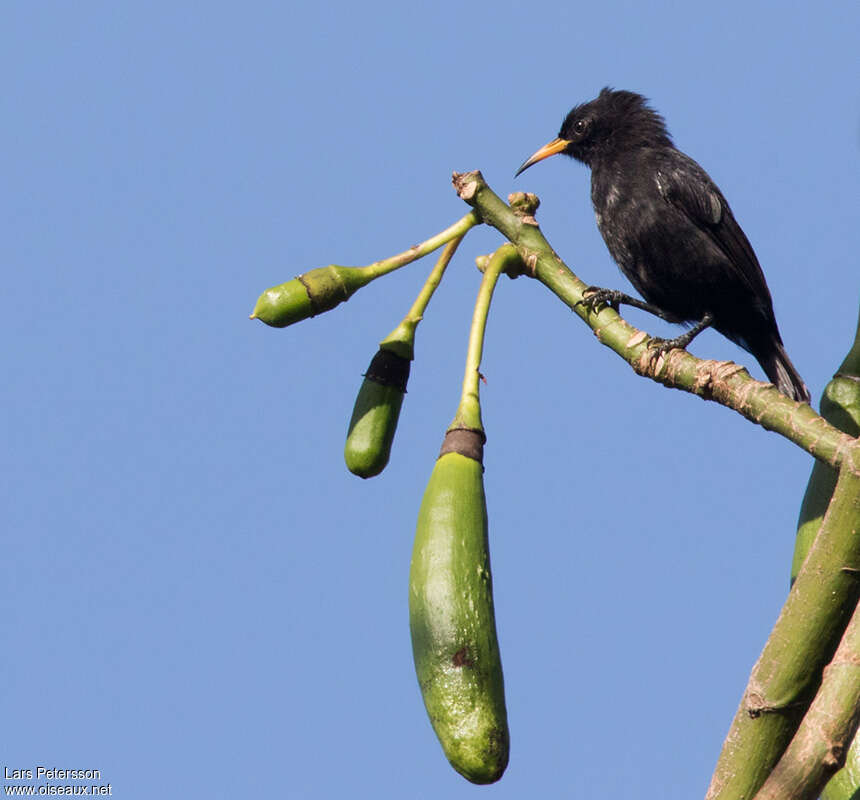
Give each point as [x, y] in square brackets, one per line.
[757, 705]
[524, 205]
[514, 269]
[530, 260]
[712, 378]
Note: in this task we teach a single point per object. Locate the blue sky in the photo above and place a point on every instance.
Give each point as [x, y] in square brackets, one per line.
[199, 600]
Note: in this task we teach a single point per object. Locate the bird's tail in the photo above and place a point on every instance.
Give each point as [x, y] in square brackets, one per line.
[778, 367]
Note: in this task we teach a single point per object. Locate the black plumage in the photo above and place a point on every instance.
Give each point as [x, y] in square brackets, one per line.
[671, 231]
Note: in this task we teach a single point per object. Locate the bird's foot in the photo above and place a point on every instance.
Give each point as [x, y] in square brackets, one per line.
[681, 342]
[657, 347]
[594, 297]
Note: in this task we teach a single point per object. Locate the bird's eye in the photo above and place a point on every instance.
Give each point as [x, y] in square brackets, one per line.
[579, 127]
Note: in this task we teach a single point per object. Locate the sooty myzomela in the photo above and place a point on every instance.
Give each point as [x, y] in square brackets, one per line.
[671, 231]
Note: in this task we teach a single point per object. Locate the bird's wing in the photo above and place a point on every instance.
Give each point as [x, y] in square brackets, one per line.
[685, 185]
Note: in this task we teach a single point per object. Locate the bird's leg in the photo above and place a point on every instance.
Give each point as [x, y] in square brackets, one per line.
[664, 345]
[594, 297]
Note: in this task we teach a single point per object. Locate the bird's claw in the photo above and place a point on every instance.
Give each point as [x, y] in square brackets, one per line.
[594, 297]
[658, 348]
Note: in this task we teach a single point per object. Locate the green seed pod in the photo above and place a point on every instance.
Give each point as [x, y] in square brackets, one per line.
[375, 415]
[310, 294]
[451, 615]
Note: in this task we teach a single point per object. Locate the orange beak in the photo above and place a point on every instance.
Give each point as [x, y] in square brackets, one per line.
[549, 149]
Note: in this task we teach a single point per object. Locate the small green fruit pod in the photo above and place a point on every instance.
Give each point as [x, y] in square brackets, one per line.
[310, 294]
[376, 413]
[377, 407]
[324, 288]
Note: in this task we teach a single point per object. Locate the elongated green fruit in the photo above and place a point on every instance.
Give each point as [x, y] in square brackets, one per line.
[452, 620]
[310, 294]
[375, 415]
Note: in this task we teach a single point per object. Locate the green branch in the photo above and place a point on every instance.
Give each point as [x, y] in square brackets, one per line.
[819, 747]
[721, 381]
[468, 414]
[840, 406]
[402, 339]
[456, 231]
[829, 521]
[804, 638]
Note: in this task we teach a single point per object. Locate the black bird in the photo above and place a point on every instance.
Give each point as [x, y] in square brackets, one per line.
[671, 231]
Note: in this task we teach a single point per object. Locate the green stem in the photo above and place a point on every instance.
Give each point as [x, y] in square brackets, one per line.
[457, 230]
[469, 411]
[804, 638]
[402, 339]
[840, 406]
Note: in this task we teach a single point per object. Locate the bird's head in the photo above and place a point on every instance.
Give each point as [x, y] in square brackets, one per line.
[614, 121]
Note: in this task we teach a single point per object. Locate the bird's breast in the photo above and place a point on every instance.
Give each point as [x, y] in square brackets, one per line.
[622, 218]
